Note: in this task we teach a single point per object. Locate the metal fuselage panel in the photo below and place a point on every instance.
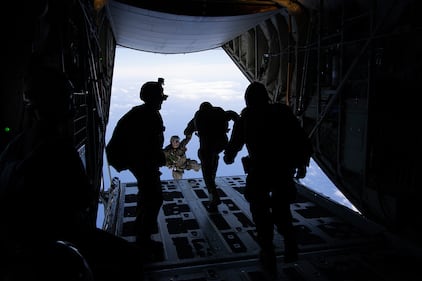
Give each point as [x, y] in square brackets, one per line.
[351, 73]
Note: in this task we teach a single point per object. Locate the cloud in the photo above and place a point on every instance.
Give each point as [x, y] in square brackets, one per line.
[187, 77]
[217, 91]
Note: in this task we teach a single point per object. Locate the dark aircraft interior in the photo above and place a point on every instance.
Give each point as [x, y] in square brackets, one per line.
[350, 70]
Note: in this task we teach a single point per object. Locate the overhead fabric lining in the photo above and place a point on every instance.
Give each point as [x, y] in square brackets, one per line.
[164, 33]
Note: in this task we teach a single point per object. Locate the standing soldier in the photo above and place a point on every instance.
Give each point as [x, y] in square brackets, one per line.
[138, 140]
[272, 163]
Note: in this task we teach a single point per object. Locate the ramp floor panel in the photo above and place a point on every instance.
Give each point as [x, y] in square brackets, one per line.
[335, 243]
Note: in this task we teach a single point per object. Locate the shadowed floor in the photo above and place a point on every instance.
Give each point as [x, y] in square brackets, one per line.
[335, 243]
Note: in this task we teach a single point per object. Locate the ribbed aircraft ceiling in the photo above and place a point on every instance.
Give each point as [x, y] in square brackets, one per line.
[170, 33]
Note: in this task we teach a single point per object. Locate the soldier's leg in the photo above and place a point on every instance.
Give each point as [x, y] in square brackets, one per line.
[149, 202]
[208, 174]
[259, 203]
[284, 221]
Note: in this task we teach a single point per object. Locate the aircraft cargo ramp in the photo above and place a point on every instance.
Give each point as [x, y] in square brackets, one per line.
[335, 243]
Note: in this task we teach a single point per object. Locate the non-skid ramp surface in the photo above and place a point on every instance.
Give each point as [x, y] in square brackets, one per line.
[335, 243]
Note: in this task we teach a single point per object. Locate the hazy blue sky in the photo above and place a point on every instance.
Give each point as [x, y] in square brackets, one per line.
[190, 79]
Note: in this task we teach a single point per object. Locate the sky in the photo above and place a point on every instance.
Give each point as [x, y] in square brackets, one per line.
[190, 79]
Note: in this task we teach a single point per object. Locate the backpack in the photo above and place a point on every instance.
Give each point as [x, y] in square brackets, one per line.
[274, 136]
[212, 126]
[116, 150]
[212, 122]
[300, 146]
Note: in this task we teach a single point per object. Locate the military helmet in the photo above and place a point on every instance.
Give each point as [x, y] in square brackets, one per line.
[152, 91]
[256, 94]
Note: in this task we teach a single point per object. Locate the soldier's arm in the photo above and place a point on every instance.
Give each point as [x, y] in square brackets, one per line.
[236, 142]
[185, 141]
[232, 115]
[190, 128]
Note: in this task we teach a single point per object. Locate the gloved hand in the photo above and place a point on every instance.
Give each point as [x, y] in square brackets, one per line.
[300, 172]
